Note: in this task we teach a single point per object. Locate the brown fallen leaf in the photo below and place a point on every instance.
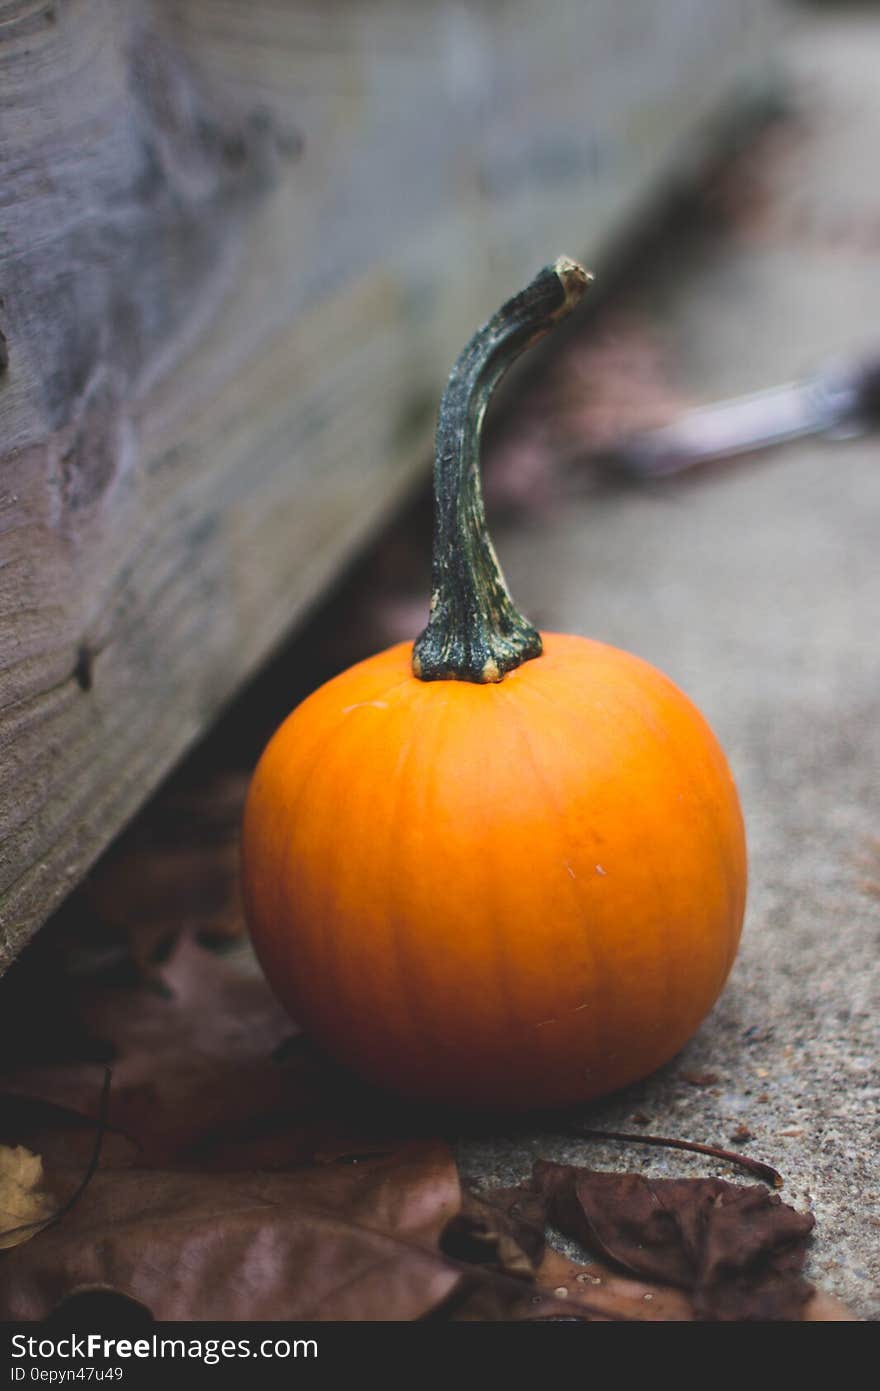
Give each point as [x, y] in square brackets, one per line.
[24, 1203]
[352, 1241]
[737, 1249]
[502, 1229]
[190, 1061]
[552, 1285]
[598, 1293]
[824, 1308]
[175, 870]
[63, 1139]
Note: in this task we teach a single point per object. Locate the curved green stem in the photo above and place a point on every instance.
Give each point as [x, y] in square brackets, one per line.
[475, 632]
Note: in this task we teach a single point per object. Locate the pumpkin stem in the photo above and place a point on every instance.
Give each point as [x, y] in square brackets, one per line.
[475, 632]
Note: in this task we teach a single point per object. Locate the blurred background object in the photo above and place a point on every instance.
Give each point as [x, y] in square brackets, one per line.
[842, 402]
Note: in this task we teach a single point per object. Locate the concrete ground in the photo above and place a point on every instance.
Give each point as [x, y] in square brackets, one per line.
[756, 586]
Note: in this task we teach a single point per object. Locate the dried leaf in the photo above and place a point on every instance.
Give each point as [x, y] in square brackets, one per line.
[188, 1062]
[600, 1294]
[23, 1201]
[502, 1229]
[356, 1241]
[597, 1292]
[176, 870]
[501, 1233]
[824, 1308]
[737, 1249]
[64, 1139]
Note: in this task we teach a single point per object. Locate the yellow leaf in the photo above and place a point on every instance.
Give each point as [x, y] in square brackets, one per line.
[22, 1199]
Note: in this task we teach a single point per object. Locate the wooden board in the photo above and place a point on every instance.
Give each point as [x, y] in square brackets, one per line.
[240, 244]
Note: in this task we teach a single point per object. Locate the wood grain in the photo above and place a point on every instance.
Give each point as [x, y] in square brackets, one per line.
[241, 244]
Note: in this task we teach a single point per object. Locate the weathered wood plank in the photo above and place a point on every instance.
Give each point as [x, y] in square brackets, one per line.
[240, 245]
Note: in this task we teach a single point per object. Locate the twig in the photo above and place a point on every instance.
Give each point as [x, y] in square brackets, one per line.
[744, 1161]
[41, 1223]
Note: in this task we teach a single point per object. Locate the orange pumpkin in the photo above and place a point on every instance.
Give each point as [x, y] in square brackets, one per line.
[498, 868]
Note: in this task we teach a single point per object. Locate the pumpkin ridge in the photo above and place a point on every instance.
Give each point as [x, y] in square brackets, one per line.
[266, 945]
[415, 1009]
[515, 707]
[639, 699]
[600, 972]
